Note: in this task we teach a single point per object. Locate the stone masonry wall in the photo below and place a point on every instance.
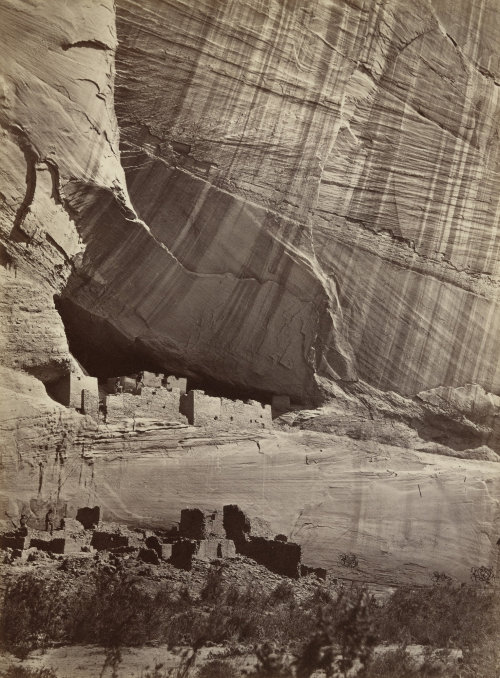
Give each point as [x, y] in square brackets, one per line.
[68, 389]
[77, 384]
[250, 414]
[151, 379]
[168, 403]
[278, 556]
[175, 384]
[198, 524]
[90, 403]
[151, 403]
[222, 413]
[158, 403]
[209, 549]
[200, 409]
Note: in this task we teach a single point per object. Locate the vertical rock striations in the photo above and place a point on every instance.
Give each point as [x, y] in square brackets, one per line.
[326, 177]
[303, 192]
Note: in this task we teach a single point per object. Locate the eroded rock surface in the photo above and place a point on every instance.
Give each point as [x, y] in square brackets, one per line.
[338, 216]
[277, 197]
[302, 204]
[401, 512]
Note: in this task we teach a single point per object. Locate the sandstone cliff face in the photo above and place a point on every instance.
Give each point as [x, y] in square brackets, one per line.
[329, 171]
[276, 196]
[302, 202]
[403, 513]
[57, 123]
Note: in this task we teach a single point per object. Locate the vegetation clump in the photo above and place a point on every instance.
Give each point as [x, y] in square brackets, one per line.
[291, 627]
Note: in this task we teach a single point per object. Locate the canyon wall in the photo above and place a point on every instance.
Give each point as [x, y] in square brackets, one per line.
[328, 171]
[302, 193]
[274, 197]
[401, 512]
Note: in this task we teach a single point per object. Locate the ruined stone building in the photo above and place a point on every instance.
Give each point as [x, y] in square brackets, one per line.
[203, 410]
[155, 396]
[202, 534]
[164, 398]
[77, 390]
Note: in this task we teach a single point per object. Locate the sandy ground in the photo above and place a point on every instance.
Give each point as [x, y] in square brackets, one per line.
[90, 661]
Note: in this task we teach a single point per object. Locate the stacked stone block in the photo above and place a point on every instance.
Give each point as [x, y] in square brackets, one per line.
[175, 384]
[249, 414]
[90, 403]
[152, 379]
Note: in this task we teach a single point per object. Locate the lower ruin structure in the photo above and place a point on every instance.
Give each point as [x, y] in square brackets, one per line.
[204, 535]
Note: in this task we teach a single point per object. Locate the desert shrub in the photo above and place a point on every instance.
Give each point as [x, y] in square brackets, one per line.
[109, 608]
[398, 664]
[214, 585]
[272, 662]
[36, 623]
[345, 637]
[158, 671]
[284, 591]
[441, 616]
[329, 629]
[113, 608]
[441, 579]
[482, 574]
[348, 560]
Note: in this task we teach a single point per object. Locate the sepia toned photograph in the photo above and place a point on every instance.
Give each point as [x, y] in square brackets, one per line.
[250, 339]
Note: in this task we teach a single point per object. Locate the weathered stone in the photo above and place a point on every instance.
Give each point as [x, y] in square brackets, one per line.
[280, 557]
[211, 549]
[106, 541]
[164, 551]
[319, 572]
[236, 523]
[148, 556]
[200, 409]
[183, 552]
[14, 541]
[69, 389]
[151, 403]
[244, 415]
[88, 517]
[223, 413]
[198, 524]
[50, 544]
[90, 403]
[280, 403]
[175, 384]
[152, 379]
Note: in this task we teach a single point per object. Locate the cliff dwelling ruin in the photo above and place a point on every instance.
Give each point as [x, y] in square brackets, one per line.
[206, 535]
[164, 398]
[250, 290]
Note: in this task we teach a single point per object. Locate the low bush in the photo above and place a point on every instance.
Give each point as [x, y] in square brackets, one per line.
[440, 616]
[327, 629]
